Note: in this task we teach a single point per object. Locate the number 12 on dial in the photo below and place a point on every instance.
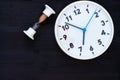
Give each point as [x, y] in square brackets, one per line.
[84, 30]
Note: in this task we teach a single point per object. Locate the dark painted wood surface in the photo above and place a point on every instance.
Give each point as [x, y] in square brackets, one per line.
[42, 59]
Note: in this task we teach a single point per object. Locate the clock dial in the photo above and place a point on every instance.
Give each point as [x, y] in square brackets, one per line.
[84, 30]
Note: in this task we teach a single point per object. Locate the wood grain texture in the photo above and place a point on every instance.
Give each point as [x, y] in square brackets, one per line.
[41, 59]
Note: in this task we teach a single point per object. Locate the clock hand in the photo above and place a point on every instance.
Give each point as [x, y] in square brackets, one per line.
[84, 29]
[73, 25]
[83, 38]
[89, 20]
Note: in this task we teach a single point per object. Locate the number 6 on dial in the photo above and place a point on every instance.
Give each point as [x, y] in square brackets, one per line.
[84, 30]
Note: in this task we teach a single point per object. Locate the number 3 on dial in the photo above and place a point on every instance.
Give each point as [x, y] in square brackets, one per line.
[84, 30]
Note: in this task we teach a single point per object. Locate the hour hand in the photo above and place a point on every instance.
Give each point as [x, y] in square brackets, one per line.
[73, 25]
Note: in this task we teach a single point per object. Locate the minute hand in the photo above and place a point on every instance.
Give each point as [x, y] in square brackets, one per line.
[73, 25]
[90, 19]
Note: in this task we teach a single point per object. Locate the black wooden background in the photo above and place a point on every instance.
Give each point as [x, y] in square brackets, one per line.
[42, 59]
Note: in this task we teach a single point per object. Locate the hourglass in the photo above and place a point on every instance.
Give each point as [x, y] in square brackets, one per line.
[32, 30]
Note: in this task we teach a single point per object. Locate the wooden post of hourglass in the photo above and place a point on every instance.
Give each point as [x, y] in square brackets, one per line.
[32, 30]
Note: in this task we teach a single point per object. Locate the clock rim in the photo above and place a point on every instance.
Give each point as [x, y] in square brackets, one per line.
[112, 29]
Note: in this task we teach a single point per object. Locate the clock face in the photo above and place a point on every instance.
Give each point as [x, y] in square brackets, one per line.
[84, 30]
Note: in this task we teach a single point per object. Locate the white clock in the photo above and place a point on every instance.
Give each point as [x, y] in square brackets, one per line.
[84, 30]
